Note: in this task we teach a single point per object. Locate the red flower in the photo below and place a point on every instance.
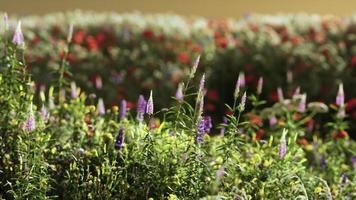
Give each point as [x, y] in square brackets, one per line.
[353, 61]
[273, 96]
[130, 105]
[35, 40]
[339, 134]
[79, 37]
[196, 48]
[212, 95]
[92, 43]
[221, 42]
[183, 57]
[250, 79]
[303, 141]
[351, 104]
[259, 134]
[210, 107]
[148, 34]
[254, 119]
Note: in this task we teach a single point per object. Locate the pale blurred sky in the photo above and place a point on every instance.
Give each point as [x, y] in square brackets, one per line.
[209, 8]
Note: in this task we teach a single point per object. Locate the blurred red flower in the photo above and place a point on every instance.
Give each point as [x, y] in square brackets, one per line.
[183, 57]
[212, 95]
[78, 37]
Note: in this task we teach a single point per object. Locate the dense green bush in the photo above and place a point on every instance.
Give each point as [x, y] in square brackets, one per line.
[66, 147]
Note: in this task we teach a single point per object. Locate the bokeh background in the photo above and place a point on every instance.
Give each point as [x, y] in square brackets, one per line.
[208, 8]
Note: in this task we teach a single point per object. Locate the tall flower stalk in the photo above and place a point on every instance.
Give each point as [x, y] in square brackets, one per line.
[283, 145]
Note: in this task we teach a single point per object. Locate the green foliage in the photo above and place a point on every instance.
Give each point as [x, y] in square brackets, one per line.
[70, 151]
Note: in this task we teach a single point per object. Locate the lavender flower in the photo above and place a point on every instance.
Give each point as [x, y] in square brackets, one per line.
[237, 89]
[201, 93]
[123, 109]
[283, 145]
[201, 86]
[280, 94]
[73, 90]
[141, 108]
[119, 143]
[149, 106]
[273, 120]
[241, 79]
[224, 123]
[44, 114]
[30, 123]
[179, 93]
[243, 102]
[302, 103]
[70, 33]
[260, 85]
[98, 82]
[195, 66]
[343, 181]
[204, 126]
[340, 101]
[340, 98]
[18, 38]
[353, 161]
[101, 107]
[296, 92]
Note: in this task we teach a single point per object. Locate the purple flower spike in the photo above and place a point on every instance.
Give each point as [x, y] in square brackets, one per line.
[149, 106]
[119, 143]
[44, 113]
[70, 33]
[179, 93]
[283, 145]
[123, 109]
[223, 129]
[280, 94]
[195, 66]
[30, 124]
[260, 85]
[343, 181]
[202, 85]
[243, 102]
[204, 126]
[340, 101]
[237, 89]
[101, 107]
[353, 161]
[18, 38]
[73, 90]
[141, 108]
[296, 92]
[340, 98]
[273, 120]
[241, 79]
[98, 82]
[302, 103]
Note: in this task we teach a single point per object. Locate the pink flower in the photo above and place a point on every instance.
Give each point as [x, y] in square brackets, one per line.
[149, 106]
[260, 85]
[18, 38]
